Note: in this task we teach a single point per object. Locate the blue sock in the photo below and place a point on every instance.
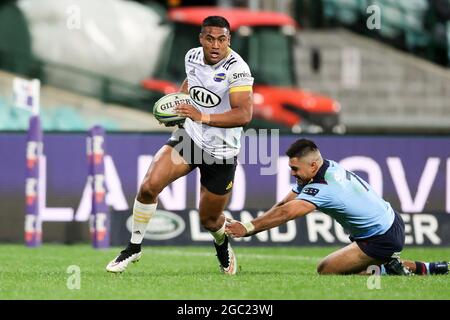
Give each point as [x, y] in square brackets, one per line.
[431, 269]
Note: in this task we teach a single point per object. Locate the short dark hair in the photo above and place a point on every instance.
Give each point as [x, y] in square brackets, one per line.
[216, 21]
[301, 148]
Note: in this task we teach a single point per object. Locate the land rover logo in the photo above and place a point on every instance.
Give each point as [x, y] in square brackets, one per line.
[163, 226]
[203, 97]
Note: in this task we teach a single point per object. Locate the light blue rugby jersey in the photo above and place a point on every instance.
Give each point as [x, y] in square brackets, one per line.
[349, 199]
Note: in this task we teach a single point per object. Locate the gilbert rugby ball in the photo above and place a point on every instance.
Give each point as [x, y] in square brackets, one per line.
[164, 108]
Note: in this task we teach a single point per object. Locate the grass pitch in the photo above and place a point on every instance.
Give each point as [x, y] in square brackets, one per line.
[192, 273]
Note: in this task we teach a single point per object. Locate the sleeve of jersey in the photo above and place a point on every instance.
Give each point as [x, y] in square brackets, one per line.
[317, 195]
[186, 58]
[297, 188]
[240, 78]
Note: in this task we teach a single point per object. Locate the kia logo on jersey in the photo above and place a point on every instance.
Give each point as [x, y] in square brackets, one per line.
[203, 97]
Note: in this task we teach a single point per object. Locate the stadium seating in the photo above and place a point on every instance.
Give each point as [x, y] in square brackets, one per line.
[414, 13]
[392, 21]
[404, 23]
[343, 11]
[448, 42]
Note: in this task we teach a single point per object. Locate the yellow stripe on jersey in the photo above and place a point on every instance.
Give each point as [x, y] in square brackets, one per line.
[241, 88]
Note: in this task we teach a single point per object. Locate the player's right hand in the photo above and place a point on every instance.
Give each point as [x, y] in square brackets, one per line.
[235, 229]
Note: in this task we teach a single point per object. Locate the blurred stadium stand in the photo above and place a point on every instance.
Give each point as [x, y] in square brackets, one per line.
[25, 52]
[390, 90]
[62, 110]
[99, 60]
[418, 26]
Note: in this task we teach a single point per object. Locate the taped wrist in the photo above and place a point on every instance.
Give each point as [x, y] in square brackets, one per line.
[249, 228]
[206, 118]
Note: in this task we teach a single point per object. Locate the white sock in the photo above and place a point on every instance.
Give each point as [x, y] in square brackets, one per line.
[383, 270]
[142, 213]
[427, 265]
[219, 235]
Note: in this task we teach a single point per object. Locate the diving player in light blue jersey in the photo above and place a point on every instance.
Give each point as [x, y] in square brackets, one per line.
[377, 232]
[345, 197]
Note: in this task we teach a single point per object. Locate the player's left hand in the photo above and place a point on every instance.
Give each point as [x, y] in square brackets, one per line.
[188, 111]
[235, 229]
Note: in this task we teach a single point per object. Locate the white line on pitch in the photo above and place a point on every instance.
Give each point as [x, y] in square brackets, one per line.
[243, 255]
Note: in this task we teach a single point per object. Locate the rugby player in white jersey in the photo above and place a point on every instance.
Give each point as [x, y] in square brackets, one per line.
[219, 83]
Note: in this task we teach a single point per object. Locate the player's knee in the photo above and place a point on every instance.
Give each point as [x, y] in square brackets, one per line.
[148, 192]
[320, 267]
[324, 267]
[210, 223]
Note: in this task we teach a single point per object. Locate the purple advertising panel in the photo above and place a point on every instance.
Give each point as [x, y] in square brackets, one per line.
[412, 173]
[184, 228]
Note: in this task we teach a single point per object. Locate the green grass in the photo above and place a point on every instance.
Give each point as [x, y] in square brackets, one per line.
[192, 273]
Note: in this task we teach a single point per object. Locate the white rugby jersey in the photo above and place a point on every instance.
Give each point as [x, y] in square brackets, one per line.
[209, 89]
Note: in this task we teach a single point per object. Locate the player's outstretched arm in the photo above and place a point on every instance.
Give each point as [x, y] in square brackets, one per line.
[289, 197]
[272, 218]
